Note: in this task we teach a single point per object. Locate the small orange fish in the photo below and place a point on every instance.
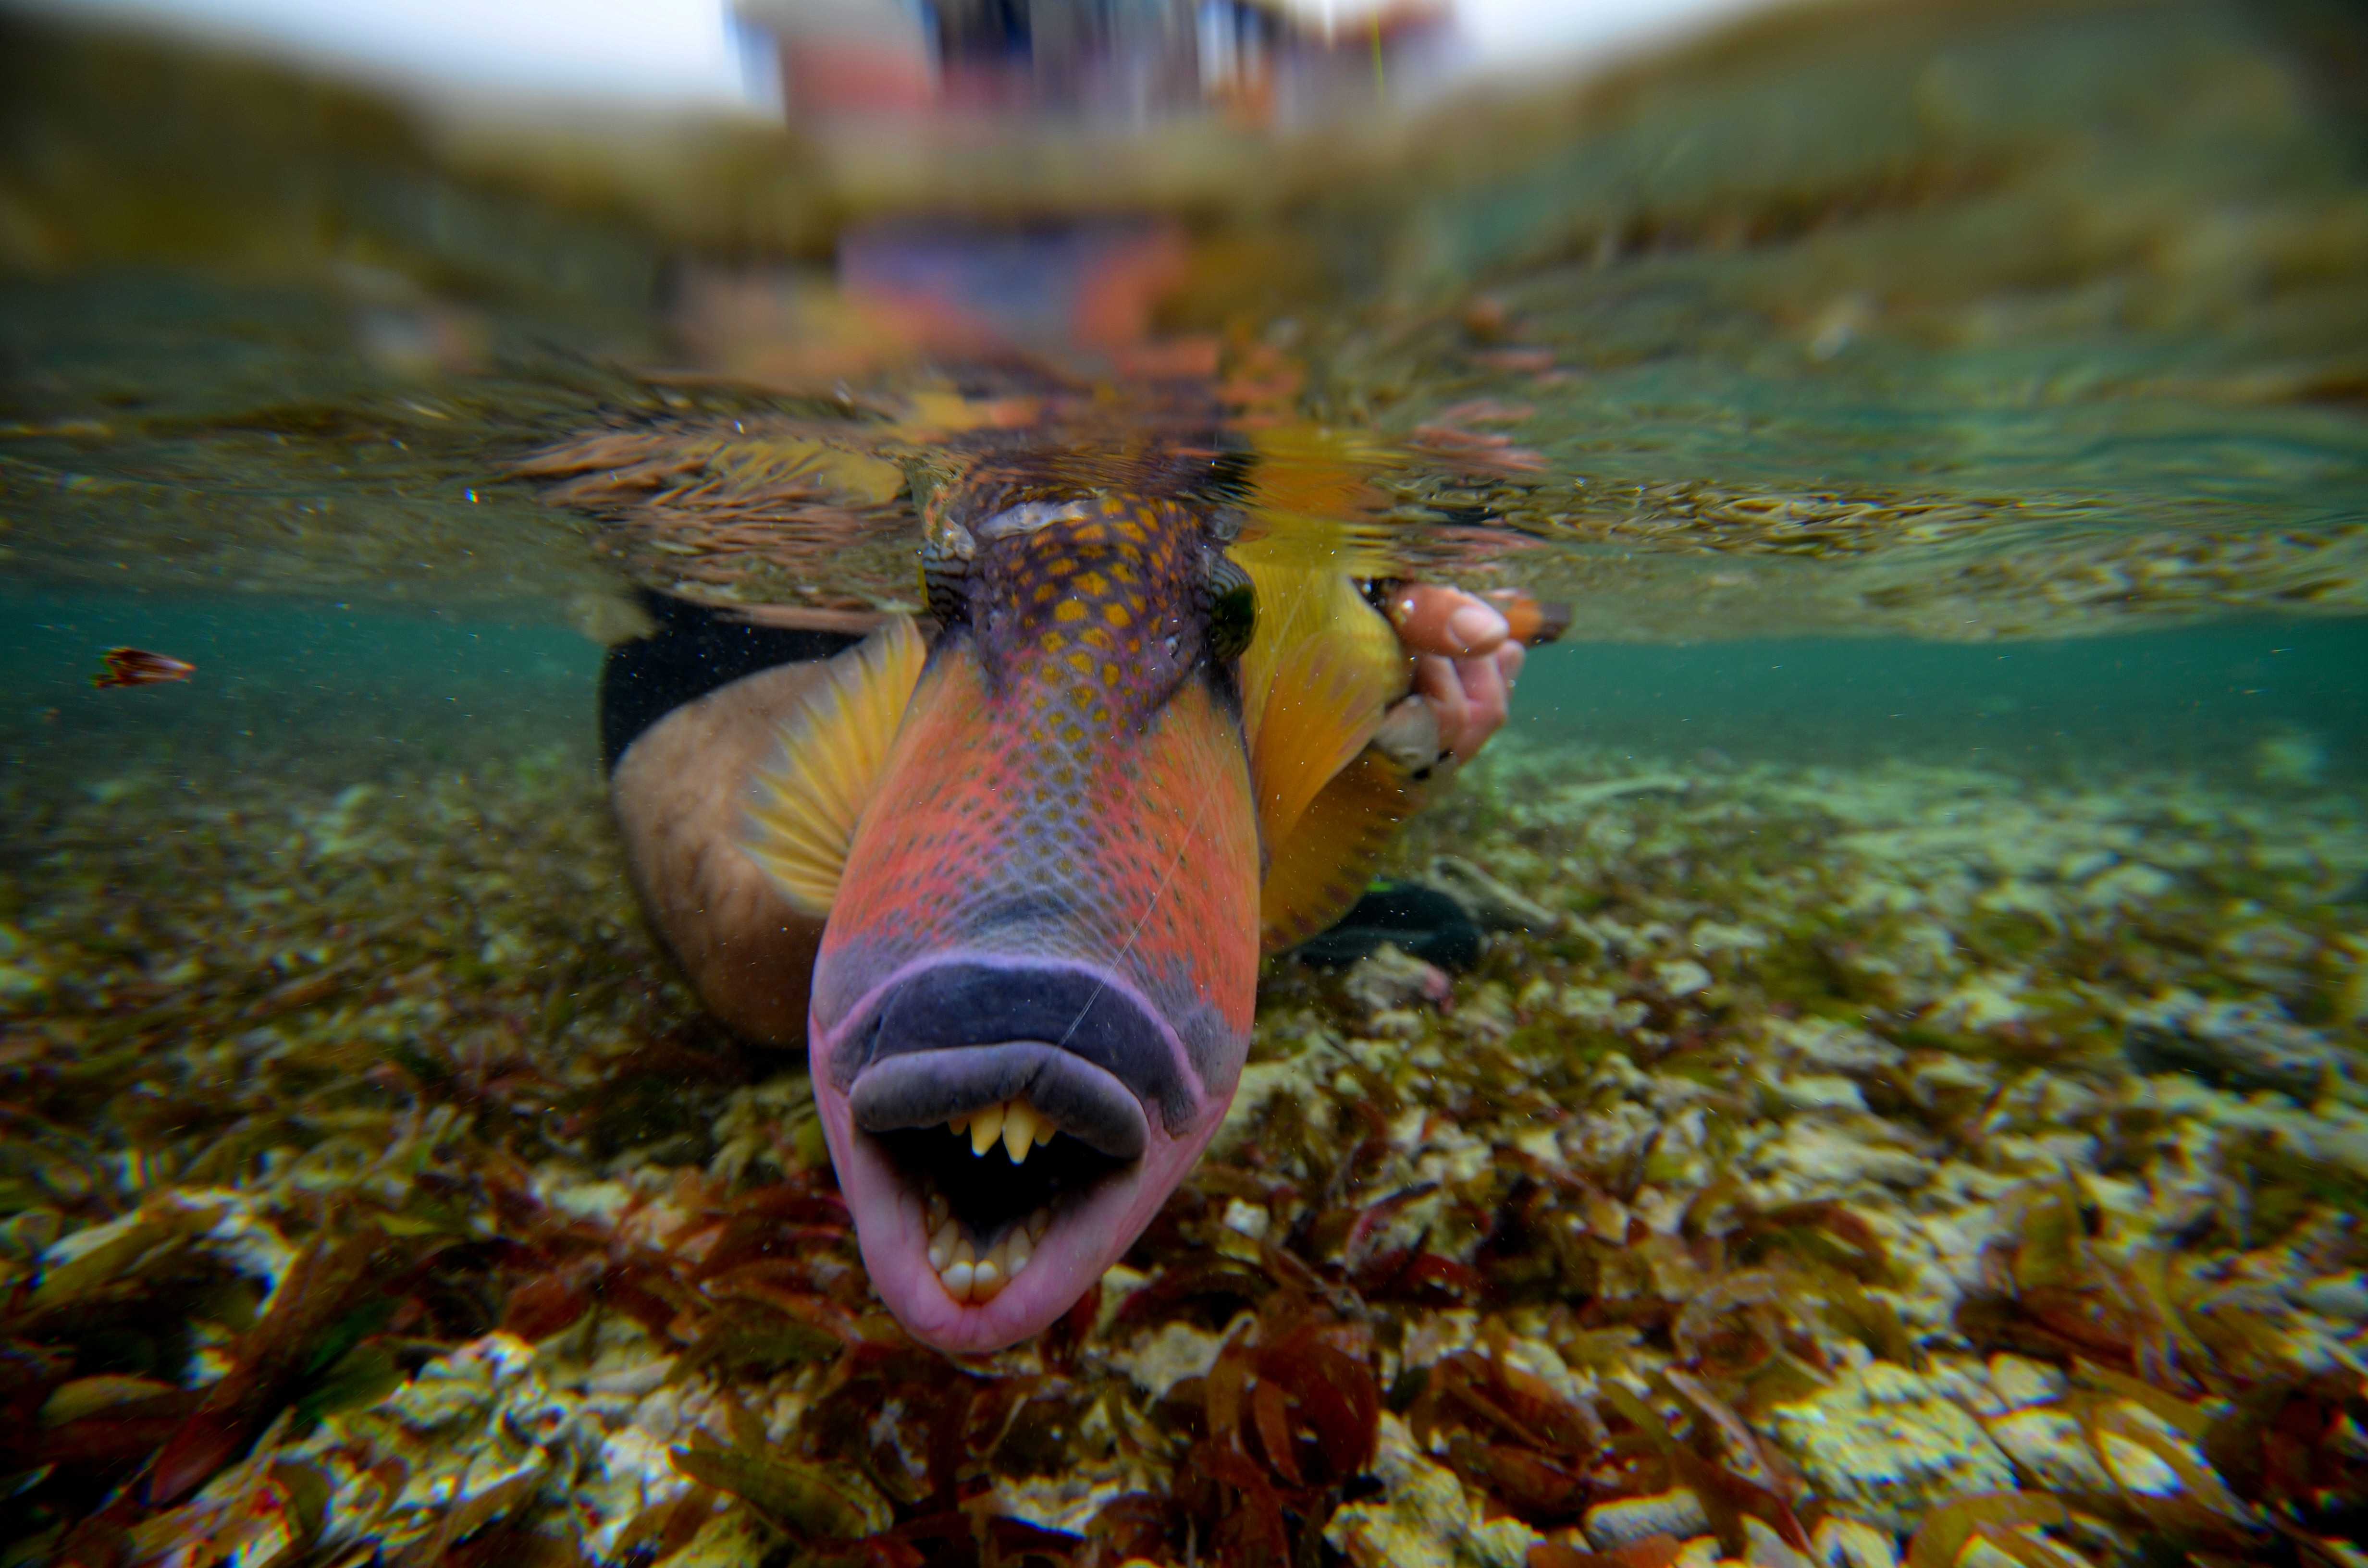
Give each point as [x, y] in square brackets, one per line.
[137, 667]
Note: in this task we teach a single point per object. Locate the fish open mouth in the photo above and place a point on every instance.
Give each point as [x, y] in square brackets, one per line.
[1000, 1142]
[1003, 1126]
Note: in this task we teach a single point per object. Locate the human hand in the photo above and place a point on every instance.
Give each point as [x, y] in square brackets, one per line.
[1466, 660]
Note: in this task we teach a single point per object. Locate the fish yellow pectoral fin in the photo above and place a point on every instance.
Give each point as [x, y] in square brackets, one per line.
[803, 806]
[1318, 676]
[1315, 874]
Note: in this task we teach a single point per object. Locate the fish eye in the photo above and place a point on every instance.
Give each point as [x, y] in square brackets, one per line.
[1233, 609]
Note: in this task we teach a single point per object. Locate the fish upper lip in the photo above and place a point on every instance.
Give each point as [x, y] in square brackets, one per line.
[964, 1001]
[925, 1088]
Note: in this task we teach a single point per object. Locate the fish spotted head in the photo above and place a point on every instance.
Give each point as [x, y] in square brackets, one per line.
[1035, 990]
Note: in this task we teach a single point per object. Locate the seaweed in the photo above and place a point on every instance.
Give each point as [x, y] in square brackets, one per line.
[2297, 1448]
[1547, 1460]
[1652, 1552]
[809, 1502]
[2053, 1287]
[2001, 1520]
[249, 1214]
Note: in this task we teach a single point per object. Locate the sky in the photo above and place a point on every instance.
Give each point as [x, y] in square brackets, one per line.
[682, 52]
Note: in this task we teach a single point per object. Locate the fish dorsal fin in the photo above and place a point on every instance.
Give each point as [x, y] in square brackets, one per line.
[1320, 670]
[800, 812]
[1314, 875]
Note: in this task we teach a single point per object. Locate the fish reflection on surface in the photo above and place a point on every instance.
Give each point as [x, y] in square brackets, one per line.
[1106, 66]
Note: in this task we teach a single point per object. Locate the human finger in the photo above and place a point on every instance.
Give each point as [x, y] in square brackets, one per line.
[1437, 683]
[1487, 700]
[1431, 617]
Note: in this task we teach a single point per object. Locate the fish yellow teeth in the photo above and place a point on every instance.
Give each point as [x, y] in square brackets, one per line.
[941, 1245]
[974, 1280]
[1021, 1130]
[985, 1129]
[958, 1273]
[1016, 1124]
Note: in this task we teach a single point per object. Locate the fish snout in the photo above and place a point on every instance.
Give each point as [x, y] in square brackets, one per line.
[956, 1035]
[1003, 1128]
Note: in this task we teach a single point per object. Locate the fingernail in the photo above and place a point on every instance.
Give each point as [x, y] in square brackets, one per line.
[1475, 626]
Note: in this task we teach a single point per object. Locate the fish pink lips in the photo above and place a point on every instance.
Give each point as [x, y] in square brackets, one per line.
[1089, 1233]
[1115, 1164]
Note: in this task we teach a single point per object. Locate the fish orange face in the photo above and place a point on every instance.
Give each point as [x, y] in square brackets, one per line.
[1035, 991]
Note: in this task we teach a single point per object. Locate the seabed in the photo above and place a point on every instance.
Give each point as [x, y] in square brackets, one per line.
[1844, 1165]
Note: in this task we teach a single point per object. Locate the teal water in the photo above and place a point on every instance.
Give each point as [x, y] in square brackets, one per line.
[332, 691]
[310, 693]
[2196, 700]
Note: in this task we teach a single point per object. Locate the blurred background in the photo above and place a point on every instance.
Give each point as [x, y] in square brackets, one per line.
[750, 56]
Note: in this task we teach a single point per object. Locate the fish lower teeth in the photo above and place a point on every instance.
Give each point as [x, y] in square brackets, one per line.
[1016, 1124]
[977, 1280]
[941, 1244]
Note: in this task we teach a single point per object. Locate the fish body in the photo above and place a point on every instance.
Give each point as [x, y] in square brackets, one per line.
[1047, 844]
